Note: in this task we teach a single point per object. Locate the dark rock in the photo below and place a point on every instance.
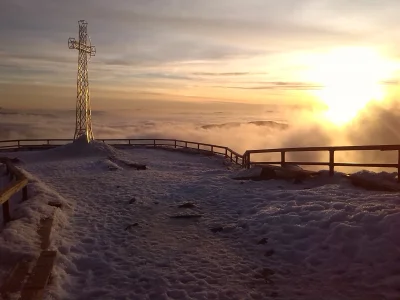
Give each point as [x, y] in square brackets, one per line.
[249, 174]
[373, 184]
[217, 229]
[297, 181]
[133, 200]
[186, 216]
[267, 173]
[139, 167]
[244, 225]
[265, 274]
[269, 252]
[131, 225]
[55, 204]
[263, 241]
[127, 163]
[187, 205]
[291, 166]
[155, 202]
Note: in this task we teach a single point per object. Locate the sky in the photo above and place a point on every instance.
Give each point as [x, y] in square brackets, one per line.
[253, 51]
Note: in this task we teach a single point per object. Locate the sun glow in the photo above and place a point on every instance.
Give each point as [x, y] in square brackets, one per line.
[350, 78]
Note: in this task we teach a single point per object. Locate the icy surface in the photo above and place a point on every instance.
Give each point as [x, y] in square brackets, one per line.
[324, 238]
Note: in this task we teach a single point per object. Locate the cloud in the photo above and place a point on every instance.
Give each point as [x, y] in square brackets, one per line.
[143, 31]
[227, 73]
[278, 85]
[165, 43]
[186, 121]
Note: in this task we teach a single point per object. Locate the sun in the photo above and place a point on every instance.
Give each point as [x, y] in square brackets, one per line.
[350, 78]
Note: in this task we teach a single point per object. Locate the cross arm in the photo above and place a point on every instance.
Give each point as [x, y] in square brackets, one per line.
[73, 44]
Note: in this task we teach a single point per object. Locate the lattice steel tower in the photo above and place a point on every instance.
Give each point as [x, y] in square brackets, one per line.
[83, 110]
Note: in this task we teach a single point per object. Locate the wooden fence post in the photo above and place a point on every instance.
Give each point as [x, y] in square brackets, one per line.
[175, 144]
[6, 212]
[231, 157]
[212, 149]
[185, 144]
[129, 142]
[331, 162]
[25, 193]
[154, 143]
[226, 152]
[398, 165]
[282, 158]
[19, 144]
[248, 160]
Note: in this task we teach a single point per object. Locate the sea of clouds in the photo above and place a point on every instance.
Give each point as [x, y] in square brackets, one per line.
[238, 126]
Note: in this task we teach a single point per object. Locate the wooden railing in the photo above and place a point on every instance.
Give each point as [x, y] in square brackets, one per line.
[244, 160]
[331, 150]
[40, 144]
[18, 182]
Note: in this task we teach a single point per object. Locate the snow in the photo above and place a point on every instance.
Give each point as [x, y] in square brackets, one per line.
[79, 148]
[324, 236]
[19, 239]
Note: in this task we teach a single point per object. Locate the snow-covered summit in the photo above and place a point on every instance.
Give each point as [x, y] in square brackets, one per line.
[79, 148]
[82, 147]
[323, 239]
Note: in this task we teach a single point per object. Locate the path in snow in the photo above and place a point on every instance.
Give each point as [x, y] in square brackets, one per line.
[325, 240]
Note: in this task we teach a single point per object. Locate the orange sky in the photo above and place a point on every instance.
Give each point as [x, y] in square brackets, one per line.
[253, 51]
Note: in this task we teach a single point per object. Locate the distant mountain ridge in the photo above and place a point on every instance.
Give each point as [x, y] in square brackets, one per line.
[269, 124]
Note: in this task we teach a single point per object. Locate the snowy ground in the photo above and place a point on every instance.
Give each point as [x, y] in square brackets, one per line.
[324, 239]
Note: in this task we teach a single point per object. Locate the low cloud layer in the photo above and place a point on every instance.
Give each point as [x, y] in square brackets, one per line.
[240, 131]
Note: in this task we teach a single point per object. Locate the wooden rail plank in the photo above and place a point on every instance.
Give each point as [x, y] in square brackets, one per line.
[15, 280]
[44, 232]
[369, 165]
[304, 163]
[328, 148]
[290, 162]
[7, 192]
[38, 279]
